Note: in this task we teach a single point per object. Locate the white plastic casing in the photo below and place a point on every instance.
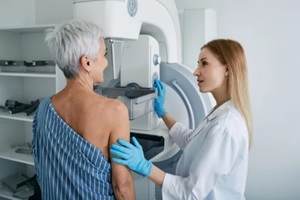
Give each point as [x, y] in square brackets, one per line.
[158, 18]
[138, 66]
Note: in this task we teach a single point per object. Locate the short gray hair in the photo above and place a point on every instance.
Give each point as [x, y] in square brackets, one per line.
[69, 41]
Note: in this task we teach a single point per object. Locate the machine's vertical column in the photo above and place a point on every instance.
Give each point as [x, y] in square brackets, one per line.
[140, 65]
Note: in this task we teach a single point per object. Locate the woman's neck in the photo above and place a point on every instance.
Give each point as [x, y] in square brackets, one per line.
[79, 81]
[220, 99]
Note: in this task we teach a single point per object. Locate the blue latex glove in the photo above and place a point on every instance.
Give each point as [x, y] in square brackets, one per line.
[160, 99]
[132, 156]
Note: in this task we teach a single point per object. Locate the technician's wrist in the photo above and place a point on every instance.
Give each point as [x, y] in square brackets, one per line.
[148, 169]
[162, 113]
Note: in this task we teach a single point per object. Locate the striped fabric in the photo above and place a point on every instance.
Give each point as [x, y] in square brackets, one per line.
[67, 166]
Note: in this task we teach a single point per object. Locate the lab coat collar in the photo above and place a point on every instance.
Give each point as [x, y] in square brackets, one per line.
[216, 112]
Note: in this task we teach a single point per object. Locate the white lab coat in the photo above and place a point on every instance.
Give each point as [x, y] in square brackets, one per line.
[214, 162]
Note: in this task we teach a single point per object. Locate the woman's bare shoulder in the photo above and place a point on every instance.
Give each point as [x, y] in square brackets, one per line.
[112, 107]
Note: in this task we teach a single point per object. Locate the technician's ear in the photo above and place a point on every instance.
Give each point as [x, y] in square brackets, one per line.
[226, 71]
[85, 61]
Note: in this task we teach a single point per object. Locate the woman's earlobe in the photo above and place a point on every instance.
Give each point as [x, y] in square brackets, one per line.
[86, 63]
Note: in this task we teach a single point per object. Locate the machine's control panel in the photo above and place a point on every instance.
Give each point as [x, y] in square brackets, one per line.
[132, 7]
[156, 59]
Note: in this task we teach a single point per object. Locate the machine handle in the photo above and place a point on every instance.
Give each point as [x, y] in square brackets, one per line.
[144, 98]
[186, 103]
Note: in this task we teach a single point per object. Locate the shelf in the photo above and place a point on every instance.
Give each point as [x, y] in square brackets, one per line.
[17, 157]
[29, 74]
[27, 29]
[17, 116]
[22, 82]
[23, 71]
[4, 192]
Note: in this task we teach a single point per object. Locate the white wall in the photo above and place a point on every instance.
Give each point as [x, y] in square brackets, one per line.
[53, 11]
[270, 34]
[17, 12]
[31, 12]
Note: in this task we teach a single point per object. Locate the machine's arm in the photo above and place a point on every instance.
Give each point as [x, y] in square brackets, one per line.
[127, 19]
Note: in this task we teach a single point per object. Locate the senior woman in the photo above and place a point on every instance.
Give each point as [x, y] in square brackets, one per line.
[75, 128]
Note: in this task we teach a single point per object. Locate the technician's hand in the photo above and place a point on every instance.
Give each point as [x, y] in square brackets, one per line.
[132, 156]
[160, 99]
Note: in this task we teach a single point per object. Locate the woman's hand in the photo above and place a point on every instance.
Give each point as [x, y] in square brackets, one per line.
[160, 99]
[132, 156]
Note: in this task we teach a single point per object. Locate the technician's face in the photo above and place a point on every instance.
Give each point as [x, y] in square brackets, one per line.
[211, 74]
[100, 62]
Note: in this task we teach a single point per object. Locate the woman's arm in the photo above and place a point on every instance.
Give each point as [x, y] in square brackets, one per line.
[157, 175]
[122, 180]
[132, 156]
[169, 120]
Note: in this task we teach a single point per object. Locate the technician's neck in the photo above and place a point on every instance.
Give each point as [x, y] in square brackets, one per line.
[220, 99]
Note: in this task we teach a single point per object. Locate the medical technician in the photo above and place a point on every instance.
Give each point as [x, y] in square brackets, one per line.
[74, 129]
[214, 162]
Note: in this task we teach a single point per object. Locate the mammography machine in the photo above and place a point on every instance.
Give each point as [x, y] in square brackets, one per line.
[144, 43]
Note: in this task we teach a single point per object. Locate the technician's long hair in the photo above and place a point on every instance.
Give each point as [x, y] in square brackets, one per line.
[231, 54]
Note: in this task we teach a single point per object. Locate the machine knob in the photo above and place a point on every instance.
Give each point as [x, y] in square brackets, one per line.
[156, 59]
[132, 86]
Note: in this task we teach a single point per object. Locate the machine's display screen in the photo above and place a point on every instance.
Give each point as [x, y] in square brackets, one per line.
[152, 144]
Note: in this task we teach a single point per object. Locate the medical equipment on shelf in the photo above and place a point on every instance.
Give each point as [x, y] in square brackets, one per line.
[144, 43]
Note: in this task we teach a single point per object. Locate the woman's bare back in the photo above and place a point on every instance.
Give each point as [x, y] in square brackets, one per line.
[88, 114]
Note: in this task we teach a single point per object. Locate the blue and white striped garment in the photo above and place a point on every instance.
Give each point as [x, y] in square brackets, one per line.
[67, 166]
